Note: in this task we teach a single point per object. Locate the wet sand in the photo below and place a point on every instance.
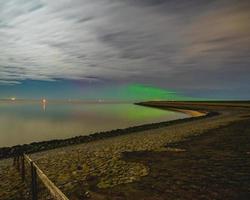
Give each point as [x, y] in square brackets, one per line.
[110, 172]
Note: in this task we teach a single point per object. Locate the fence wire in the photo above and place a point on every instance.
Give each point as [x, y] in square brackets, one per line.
[41, 188]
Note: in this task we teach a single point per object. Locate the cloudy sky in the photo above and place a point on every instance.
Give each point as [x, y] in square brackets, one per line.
[200, 48]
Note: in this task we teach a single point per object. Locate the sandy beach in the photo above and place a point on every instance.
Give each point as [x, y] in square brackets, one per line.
[104, 164]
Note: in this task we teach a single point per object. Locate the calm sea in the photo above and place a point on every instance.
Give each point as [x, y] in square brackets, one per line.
[22, 123]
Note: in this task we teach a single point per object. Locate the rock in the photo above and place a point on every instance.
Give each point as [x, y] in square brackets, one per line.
[87, 194]
[79, 167]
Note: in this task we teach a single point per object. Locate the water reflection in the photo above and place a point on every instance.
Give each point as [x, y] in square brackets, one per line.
[44, 103]
[25, 122]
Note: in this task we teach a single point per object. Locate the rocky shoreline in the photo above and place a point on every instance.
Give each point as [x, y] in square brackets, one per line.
[7, 152]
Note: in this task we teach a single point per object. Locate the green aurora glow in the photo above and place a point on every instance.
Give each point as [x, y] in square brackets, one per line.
[138, 92]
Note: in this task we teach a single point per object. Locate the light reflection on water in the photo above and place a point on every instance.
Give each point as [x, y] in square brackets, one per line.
[28, 122]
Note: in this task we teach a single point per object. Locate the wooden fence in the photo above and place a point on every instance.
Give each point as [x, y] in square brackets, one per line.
[31, 173]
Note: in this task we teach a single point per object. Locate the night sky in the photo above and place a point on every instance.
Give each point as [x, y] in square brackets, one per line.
[91, 49]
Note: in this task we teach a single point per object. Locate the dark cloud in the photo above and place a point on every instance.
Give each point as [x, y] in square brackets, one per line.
[172, 43]
[36, 7]
[85, 19]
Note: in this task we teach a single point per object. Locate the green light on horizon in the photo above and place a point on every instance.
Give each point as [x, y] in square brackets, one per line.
[142, 92]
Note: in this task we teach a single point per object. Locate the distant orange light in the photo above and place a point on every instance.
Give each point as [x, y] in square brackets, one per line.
[44, 100]
[13, 99]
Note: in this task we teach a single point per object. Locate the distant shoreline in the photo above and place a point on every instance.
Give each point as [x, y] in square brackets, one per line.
[192, 113]
[97, 101]
[6, 152]
[64, 101]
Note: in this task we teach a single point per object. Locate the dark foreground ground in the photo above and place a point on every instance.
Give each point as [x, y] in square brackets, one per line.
[214, 165]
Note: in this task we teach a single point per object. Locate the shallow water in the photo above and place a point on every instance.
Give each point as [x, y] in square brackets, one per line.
[22, 123]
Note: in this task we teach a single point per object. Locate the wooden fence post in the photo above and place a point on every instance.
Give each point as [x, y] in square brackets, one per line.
[37, 173]
[33, 181]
